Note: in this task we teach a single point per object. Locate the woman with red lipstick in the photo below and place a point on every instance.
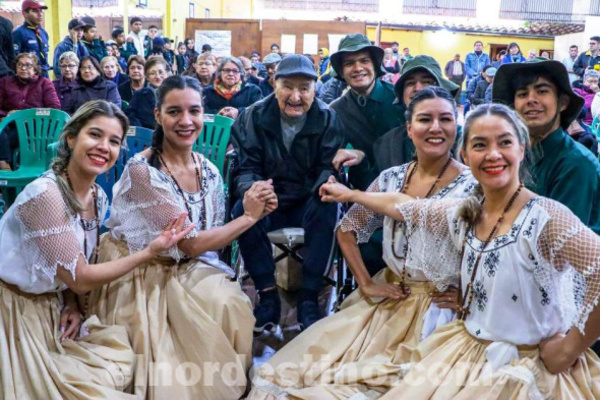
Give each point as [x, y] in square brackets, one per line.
[530, 278]
[49, 239]
[181, 309]
[399, 306]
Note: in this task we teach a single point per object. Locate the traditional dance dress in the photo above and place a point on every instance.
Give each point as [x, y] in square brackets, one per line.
[539, 279]
[39, 233]
[360, 348]
[190, 326]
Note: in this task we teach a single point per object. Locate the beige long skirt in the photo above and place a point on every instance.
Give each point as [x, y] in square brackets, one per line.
[34, 364]
[357, 351]
[190, 326]
[449, 364]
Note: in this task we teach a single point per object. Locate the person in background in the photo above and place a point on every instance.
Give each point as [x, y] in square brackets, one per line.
[91, 40]
[588, 91]
[333, 89]
[7, 51]
[324, 64]
[136, 35]
[479, 97]
[137, 78]
[69, 65]
[514, 54]
[532, 54]
[545, 55]
[149, 41]
[590, 59]
[126, 45]
[582, 133]
[91, 85]
[117, 55]
[475, 61]
[190, 51]
[391, 65]
[27, 89]
[471, 86]
[206, 48]
[255, 58]
[203, 69]
[569, 62]
[168, 53]
[405, 56]
[271, 61]
[112, 71]
[275, 48]
[230, 94]
[455, 70]
[249, 73]
[71, 43]
[31, 37]
[141, 107]
[395, 47]
[499, 57]
[180, 58]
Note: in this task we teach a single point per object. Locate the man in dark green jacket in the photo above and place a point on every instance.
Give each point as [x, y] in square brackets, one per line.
[562, 169]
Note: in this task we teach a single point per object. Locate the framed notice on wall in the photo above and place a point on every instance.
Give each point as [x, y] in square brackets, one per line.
[220, 41]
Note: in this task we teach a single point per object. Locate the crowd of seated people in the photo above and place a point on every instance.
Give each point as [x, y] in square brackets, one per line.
[513, 300]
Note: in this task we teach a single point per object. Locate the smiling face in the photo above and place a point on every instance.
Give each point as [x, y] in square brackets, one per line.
[295, 95]
[358, 70]
[96, 148]
[514, 50]
[271, 69]
[230, 75]
[432, 128]
[88, 71]
[415, 82]
[540, 106]
[493, 152]
[181, 117]
[110, 69]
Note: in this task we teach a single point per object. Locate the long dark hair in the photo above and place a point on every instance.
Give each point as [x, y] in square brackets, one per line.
[171, 83]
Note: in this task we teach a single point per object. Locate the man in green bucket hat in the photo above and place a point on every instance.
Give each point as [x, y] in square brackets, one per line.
[395, 147]
[562, 169]
[367, 111]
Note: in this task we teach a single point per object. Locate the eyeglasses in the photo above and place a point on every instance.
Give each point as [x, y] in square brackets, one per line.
[68, 66]
[88, 68]
[24, 66]
[155, 73]
[230, 71]
[202, 63]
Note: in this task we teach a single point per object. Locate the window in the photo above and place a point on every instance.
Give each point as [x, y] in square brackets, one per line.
[191, 10]
[538, 10]
[336, 5]
[461, 8]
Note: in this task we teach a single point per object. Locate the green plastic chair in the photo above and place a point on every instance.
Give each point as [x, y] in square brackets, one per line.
[37, 129]
[213, 141]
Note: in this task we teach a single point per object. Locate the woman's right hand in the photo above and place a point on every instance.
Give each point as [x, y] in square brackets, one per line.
[172, 234]
[387, 290]
[254, 199]
[334, 192]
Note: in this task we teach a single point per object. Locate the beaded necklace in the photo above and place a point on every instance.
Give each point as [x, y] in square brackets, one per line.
[429, 193]
[198, 186]
[464, 310]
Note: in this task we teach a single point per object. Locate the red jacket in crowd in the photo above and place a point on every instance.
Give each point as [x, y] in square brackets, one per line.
[16, 94]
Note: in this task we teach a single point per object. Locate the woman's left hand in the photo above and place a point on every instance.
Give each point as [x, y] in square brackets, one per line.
[446, 299]
[70, 322]
[557, 354]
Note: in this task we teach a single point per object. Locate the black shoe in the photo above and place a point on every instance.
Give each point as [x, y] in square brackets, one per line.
[308, 309]
[267, 312]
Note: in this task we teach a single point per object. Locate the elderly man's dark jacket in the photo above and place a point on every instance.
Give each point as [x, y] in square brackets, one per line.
[297, 174]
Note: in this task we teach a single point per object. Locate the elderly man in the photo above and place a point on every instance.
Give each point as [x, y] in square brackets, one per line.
[270, 62]
[562, 169]
[288, 141]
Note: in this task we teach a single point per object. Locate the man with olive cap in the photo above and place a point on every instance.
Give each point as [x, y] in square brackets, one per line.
[562, 169]
[287, 142]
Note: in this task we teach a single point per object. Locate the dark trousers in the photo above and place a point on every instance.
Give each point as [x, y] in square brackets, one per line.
[318, 220]
[9, 142]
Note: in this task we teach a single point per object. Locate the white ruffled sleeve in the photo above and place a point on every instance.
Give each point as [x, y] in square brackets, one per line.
[362, 221]
[143, 206]
[433, 235]
[568, 263]
[48, 236]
